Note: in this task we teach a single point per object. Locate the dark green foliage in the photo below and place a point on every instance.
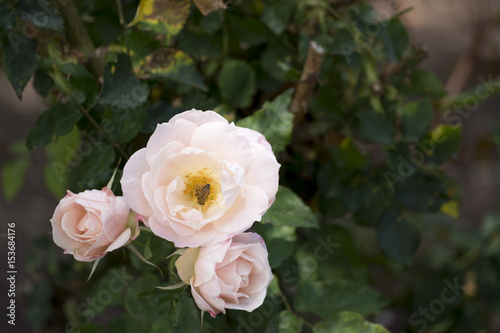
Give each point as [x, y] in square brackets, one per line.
[362, 181]
[19, 61]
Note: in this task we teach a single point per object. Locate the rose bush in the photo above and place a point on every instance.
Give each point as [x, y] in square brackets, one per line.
[91, 223]
[233, 274]
[201, 180]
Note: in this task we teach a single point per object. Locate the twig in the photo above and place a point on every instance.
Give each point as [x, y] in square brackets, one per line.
[78, 36]
[305, 86]
[289, 308]
[122, 22]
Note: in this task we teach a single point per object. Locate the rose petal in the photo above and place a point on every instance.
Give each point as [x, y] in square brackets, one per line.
[244, 212]
[224, 140]
[131, 183]
[198, 117]
[166, 133]
[121, 240]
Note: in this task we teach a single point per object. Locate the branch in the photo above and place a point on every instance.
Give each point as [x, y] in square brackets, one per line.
[77, 35]
[305, 87]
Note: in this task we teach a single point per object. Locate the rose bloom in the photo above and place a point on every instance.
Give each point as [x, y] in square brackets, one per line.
[91, 223]
[233, 274]
[200, 179]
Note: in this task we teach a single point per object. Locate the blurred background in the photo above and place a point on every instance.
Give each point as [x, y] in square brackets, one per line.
[462, 38]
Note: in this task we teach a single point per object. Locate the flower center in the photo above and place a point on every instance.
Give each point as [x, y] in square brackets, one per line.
[201, 188]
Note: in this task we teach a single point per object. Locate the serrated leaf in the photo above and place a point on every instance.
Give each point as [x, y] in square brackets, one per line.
[19, 61]
[274, 121]
[417, 118]
[41, 14]
[397, 238]
[13, 175]
[237, 83]
[339, 295]
[290, 210]
[121, 87]
[168, 63]
[58, 120]
[162, 16]
[208, 6]
[348, 322]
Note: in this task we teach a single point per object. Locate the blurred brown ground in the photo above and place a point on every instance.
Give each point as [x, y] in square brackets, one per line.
[450, 30]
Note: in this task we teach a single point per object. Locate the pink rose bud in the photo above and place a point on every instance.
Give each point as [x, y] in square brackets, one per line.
[91, 223]
[233, 274]
[201, 180]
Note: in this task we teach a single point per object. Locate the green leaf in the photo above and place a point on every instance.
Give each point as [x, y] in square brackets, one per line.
[42, 83]
[13, 175]
[397, 238]
[376, 127]
[79, 82]
[7, 17]
[339, 295]
[417, 118]
[187, 315]
[424, 83]
[136, 307]
[395, 39]
[58, 120]
[445, 143]
[41, 14]
[348, 322]
[281, 241]
[55, 173]
[90, 164]
[123, 125]
[289, 323]
[290, 210]
[274, 121]
[277, 15]
[121, 88]
[162, 16]
[19, 61]
[347, 156]
[175, 65]
[237, 83]
[248, 30]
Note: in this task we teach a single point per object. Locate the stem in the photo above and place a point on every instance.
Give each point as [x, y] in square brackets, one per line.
[77, 35]
[289, 308]
[305, 87]
[122, 22]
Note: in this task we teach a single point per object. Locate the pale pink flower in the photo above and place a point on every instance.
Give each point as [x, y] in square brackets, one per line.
[91, 223]
[167, 182]
[233, 274]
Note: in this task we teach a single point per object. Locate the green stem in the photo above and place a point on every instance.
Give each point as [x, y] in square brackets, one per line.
[122, 22]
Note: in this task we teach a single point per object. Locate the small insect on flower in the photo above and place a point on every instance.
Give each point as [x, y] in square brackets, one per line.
[202, 194]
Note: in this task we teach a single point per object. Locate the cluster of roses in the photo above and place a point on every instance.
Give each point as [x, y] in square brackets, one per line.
[199, 183]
